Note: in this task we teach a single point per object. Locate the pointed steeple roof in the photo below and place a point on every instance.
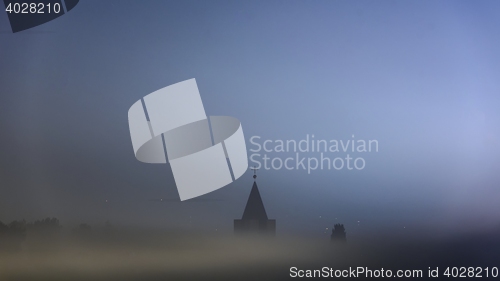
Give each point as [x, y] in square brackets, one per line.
[254, 209]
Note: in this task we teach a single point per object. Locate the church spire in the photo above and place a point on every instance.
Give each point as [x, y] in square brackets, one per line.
[254, 217]
[255, 209]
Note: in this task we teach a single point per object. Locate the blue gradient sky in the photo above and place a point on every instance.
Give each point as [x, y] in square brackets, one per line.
[420, 77]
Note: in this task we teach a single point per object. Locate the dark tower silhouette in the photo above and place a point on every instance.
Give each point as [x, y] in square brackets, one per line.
[254, 219]
[338, 233]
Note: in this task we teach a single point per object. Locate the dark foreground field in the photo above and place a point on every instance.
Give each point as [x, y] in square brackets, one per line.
[163, 255]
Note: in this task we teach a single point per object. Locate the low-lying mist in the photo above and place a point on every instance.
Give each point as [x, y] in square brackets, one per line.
[47, 252]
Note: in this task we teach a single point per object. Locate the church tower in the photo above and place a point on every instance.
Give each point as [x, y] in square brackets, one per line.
[254, 219]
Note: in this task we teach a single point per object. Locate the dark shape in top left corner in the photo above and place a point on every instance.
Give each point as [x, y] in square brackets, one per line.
[25, 15]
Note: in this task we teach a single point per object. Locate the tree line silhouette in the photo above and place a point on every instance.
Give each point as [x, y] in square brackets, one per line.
[40, 235]
[12, 235]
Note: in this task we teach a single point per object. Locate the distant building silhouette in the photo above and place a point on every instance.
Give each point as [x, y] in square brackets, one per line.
[254, 219]
[338, 233]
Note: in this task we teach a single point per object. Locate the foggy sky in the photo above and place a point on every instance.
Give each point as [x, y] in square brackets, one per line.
[419, 77]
